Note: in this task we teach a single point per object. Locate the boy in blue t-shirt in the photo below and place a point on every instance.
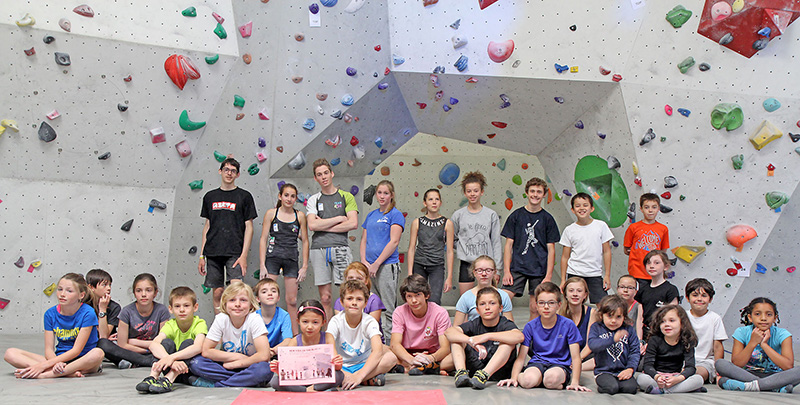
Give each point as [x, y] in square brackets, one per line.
[552, 342]
[276, 319]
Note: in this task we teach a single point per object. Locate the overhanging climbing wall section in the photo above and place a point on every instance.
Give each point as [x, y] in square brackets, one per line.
[415, 168]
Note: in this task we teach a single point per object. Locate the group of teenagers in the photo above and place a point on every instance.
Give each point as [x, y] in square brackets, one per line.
[638, 338]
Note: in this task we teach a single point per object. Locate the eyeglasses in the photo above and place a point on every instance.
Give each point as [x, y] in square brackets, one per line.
[229, 170]
[484, 271]
[546, 303]
[626, 287]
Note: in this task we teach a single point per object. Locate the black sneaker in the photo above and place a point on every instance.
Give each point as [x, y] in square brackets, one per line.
[144, 386]
[479, 379]
[462, 379]
[160, 386]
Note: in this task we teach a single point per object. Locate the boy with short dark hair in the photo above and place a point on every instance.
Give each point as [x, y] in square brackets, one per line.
[276, 319]
[356, 336]
[644, 236]
[587, 249]
[553, 344]
[529, 253]
[418, 329]
[708, 327]
[228, 231]
[181, 338]
[485, 347]
[107, 310]
[331, 214]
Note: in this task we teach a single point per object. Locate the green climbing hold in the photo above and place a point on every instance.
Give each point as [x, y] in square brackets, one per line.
[775, 199]
[517, 180]
[682, 197]
[190, 12]
[728, 285]
[678, 16]
[220, 157]
[501, 164]
[508, 194]
[606, 187]
[253, 169]
[727, 115]
[206, 290]
[663, 139]
[257, 274]
[238, 100]
[557, 196]
[776, 268]
[196, 185]
[686, 64]
[708, 243]
[188, 125]
[220, 31]
[738, 161]
[212, 59]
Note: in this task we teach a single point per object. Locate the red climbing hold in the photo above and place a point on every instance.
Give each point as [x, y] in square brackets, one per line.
[499, 124]
[638, 181]
[732, 272]
[509, 204]
[416, 194]
[444, 149]
[604, 71]
[491, 136]
[617, 77]
[377, 48]
[353, 141]
[386, 72]
[401, 164]
[279, 149]
[128, 79]
[422, 106]
[524, 166]
[474, 80]
[666, 195]
[180, 69]
[416, 163]
[668, 109]
[500, 51]
[486, 3]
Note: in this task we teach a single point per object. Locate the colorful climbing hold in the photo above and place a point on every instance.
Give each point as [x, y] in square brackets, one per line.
[247, 58]
[678, 16]
[453, 101]
[26, 20]
[183, 148]
[422, 106]
[562, 68]
[449, 174]
[603, 71]
[385, 170]
[728, 115]
[499, 124]
[737, 235]
[683, 111]
[617, 77]
[500, 51]
[238, 101]
[688, 253]
[686, 64]
[474, 80]
[731, 272]
[509, 204]
[502, 164]
[566, 192]
[180, 69]
[579, 124]
[219, 157]
[29, 52]
[246, 30]
[253, 169]
[738, 161]
[524, 166]
[790, 269]
[49, 290]
[220, 31]
[64, 24]
[397, 60]
[760, 268]
[347, 100]
[189, 12]
[309, 124]
[766, 133]
[601, 135]
[188, 125]
[444, 149]
[682, 197]
[559, 100]
[771, 104]
[776, 199]
[517, 179]
[462, 63]
[666, 195]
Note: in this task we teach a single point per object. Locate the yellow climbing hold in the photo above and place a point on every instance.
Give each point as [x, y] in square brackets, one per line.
[766, 133]
[688, 253]
[49, 290]
[8, 123]
[737, 6]
[635, 169]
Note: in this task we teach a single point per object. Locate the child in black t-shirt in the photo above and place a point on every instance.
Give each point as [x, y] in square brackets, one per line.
[485, 347]
[659, 292]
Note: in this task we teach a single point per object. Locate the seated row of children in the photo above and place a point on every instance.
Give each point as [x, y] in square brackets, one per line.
[682, 352]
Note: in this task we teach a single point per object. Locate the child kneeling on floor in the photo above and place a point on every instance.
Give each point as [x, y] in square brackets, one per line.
[485, 347]
[181, 338]
[553, 343]
[357, 338]
[243, 357]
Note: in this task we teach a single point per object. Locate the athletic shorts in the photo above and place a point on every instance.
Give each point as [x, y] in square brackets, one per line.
[215, 265]
[518, 287]
[329, 264]
[289, 266]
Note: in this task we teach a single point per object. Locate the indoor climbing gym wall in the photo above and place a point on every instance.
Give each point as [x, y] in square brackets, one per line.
[122, 111]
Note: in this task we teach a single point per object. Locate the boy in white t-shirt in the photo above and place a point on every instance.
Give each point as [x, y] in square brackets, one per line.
[418, 328]
[708, 327]
[586, 249]
[357, 338]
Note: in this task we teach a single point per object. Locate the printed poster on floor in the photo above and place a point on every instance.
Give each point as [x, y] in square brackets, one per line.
[305, 365]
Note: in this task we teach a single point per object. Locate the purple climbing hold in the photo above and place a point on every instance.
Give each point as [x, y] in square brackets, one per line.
[354, 190]
[566, 192]
[506, 101]
[446, 107]
[280, 184]
[683, 111]
[601, 135]
[482, 141]
[614, 243]
[559, 100]
[579, 124]
[262, 142]
[383, 86]
[20, 262]
[351, 71]
[453, 101]
[384, 151]
[313, 8]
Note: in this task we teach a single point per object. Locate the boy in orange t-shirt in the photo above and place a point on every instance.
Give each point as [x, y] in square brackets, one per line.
[643, 236]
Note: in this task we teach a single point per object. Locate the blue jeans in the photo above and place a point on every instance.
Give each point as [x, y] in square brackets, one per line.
[252, 376]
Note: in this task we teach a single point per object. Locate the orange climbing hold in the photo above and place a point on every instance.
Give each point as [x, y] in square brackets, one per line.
[524, 166]
[416, 163]
[385, 170]
[491, 136]
[509, 204]
[549, 196]
[444, 149]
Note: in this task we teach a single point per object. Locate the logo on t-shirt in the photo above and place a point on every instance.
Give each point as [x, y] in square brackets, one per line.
[223, 205]
[337, 205]
[383, 220]
[428, 331]
[532, 241]
[648, 241]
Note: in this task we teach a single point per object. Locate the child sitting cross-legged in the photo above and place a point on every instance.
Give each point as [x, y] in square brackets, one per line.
[181, 338]
[613, 340]
[552, 342]
[418, 329]
[484, 347]
[357, 338]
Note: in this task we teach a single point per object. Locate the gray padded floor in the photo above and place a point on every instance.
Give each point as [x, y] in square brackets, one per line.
[118, 385]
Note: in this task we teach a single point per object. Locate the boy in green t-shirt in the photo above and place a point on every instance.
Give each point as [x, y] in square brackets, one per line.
[185, 332]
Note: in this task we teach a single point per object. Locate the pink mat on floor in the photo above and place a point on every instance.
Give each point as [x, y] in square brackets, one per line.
[357, 397]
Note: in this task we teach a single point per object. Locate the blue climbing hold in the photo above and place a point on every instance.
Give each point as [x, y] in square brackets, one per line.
[309, 124]
[760, 268]
[453, 101]
[335, 161]
[559, 100]
[566, 192]
[379, 142]
[579, 124]
[446, 108]
[482, 141]
[351, 71]
[614, 243]
[384, 151]
[506, 101]
[601, 135]
[764, 32]
[683, 111]
[347, 100]
[771, 104]
[461, 63]
[398, 60]
[354, 190]
[262, 143]
[449, 174]
[561, 68]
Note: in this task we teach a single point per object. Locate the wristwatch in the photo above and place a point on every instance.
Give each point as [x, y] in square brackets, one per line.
[101, 315]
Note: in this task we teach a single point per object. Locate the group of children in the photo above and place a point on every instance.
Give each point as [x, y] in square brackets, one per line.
[639, 329]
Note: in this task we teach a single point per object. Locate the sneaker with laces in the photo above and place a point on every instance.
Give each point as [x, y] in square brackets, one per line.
[144, 386]
[160, 386]
[462, 378]
[479, 379]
